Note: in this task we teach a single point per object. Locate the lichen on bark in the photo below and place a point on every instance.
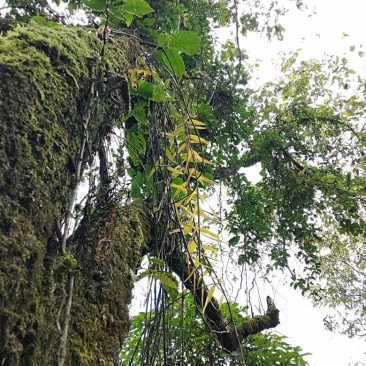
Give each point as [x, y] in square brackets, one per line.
[45, 79]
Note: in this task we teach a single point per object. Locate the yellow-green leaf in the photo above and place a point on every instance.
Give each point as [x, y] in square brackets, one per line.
[195, 139]
[192, 246]
[209, 297]
[209, 233]
[170, 155]
[208, 247]
[176, 171]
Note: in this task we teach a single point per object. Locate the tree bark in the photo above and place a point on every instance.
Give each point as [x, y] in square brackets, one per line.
[228, 335]
[47, 99]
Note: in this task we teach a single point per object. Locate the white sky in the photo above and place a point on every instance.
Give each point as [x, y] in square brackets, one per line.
[317, 34]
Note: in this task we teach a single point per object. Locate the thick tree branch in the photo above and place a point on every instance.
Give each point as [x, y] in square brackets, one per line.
[229, 336]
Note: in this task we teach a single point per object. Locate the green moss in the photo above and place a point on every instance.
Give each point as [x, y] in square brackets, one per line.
[44, 91]
[100, 312]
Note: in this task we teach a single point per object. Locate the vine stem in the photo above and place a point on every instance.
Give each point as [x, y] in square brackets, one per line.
[62, 351]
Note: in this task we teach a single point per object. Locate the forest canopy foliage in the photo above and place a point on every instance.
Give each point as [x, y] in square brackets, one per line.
[191, 126]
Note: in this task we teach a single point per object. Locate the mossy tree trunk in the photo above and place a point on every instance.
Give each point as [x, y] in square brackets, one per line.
[61, 92]
[47, 76]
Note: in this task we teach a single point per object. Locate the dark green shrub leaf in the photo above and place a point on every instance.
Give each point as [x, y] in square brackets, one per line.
[234, 241]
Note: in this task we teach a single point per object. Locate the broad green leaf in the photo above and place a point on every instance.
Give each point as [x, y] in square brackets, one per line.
[186, 41]
[128, 17]
[146, 89]
[169, 283]
[137, 7]
[97, 5]
[159, 93]
[172, 291]
[174, 62]
[164, 39]
[234, 241]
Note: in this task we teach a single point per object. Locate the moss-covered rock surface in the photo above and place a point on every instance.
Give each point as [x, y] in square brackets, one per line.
[46, 76]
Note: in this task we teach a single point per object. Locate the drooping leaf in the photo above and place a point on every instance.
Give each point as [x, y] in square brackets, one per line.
[170, 155]
[139, 112]
[136, 146]
[174, 62]
[209, 297]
